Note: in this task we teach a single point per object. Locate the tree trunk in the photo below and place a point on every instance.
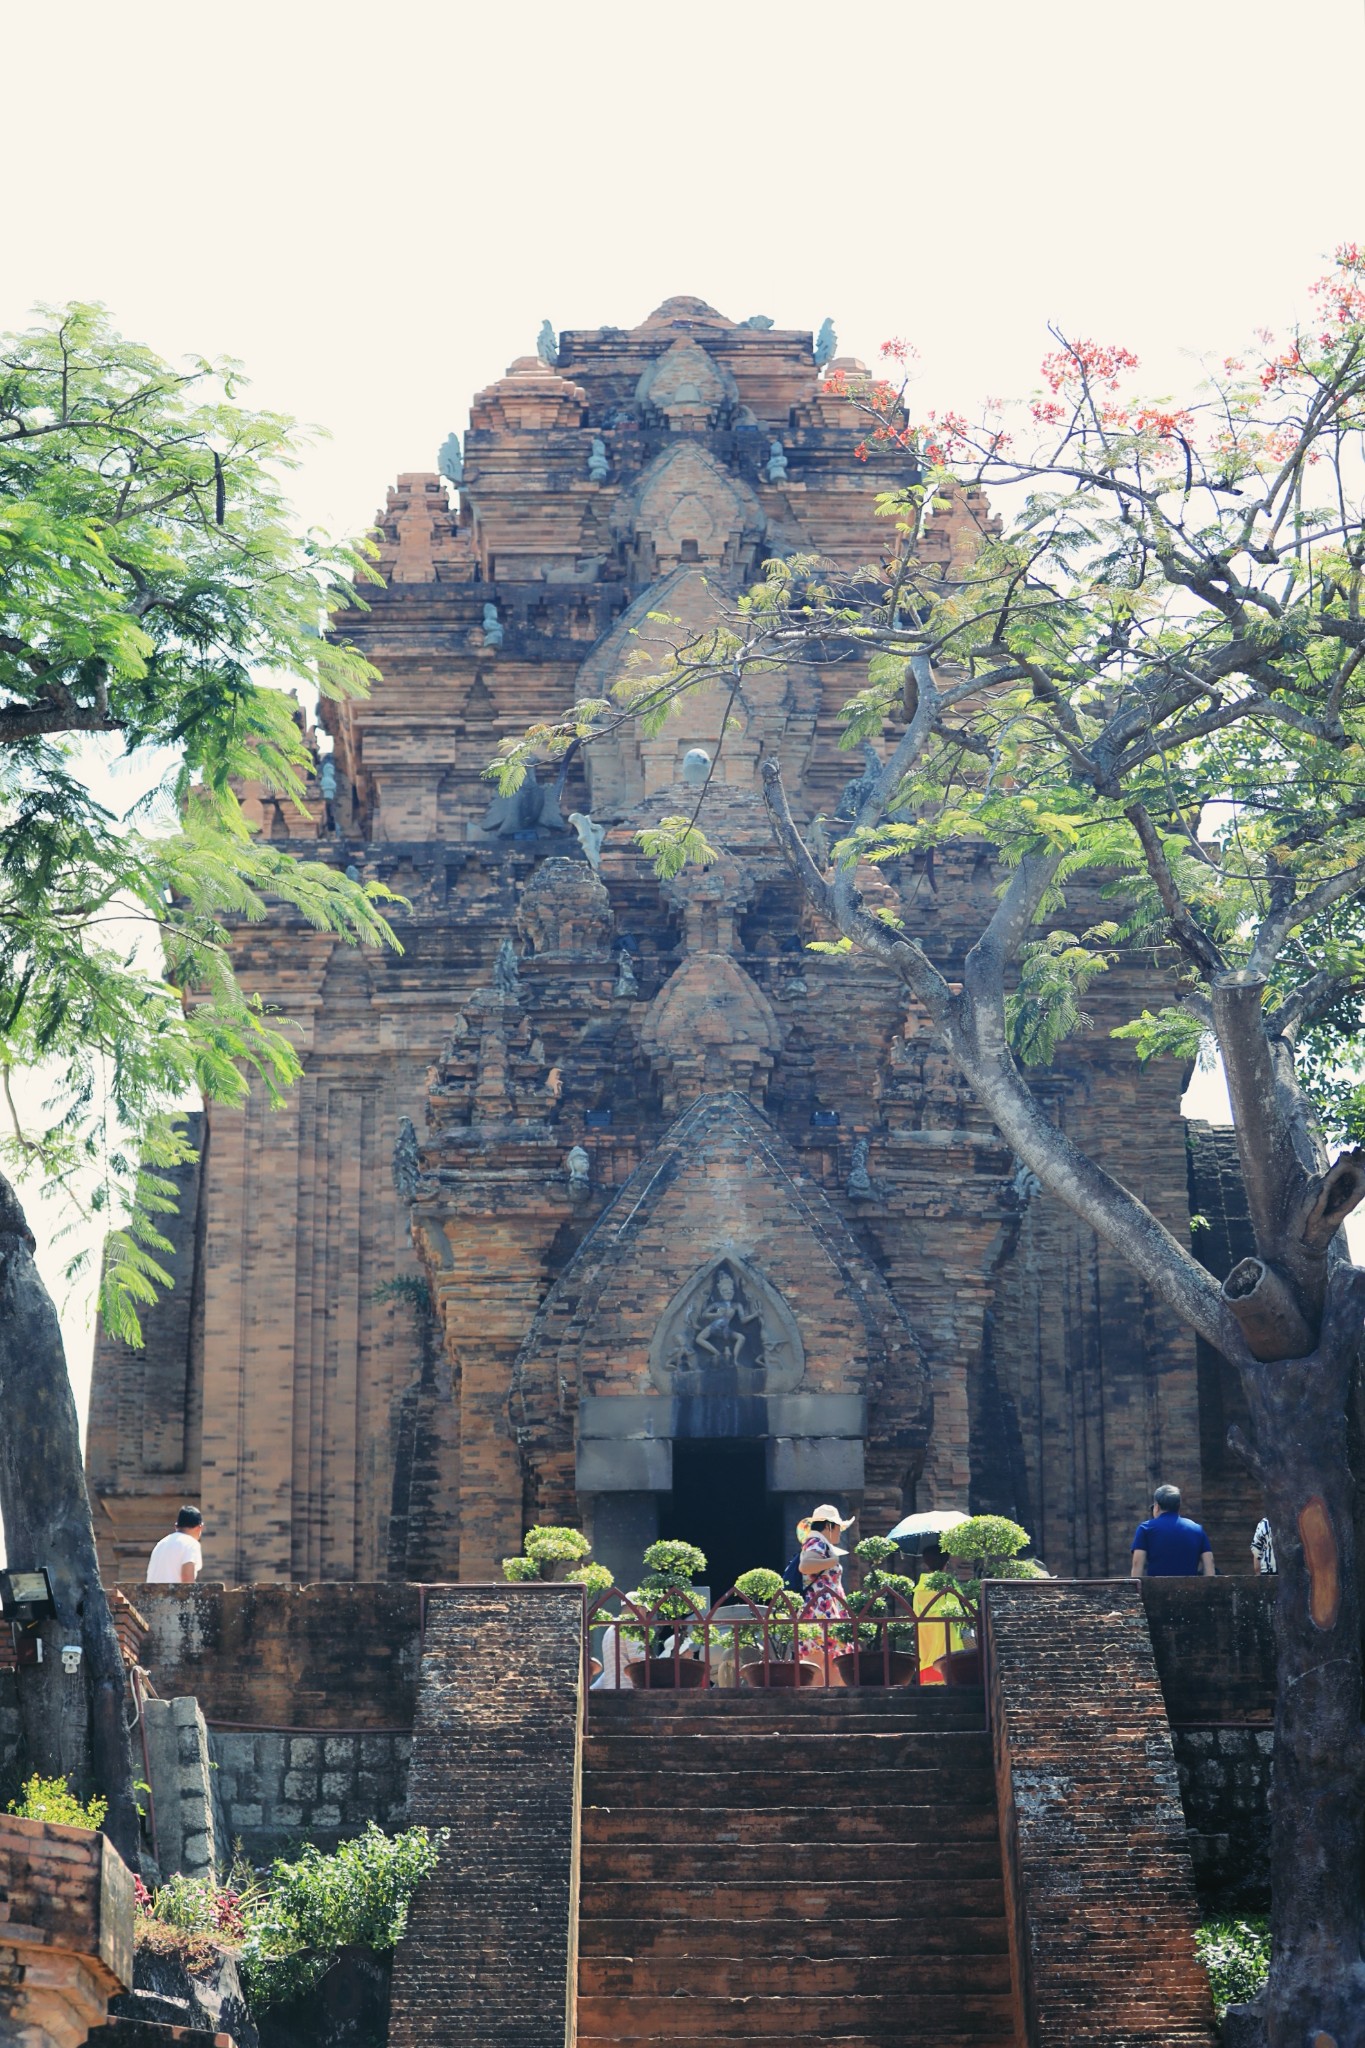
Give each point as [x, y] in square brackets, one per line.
[72, 1726]
[1315, 1997]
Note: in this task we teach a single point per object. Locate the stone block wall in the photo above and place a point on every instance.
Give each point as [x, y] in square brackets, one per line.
[491, 1951]
[277, 1789]
[66, 1931]
[1225, 1779]
[1101, 1891]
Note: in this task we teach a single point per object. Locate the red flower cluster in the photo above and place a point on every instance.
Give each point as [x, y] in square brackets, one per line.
[1090, 362]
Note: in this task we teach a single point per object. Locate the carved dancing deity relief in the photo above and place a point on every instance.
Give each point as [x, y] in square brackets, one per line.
[727, 1330]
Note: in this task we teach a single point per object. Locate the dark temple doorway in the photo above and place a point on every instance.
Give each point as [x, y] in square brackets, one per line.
[720, 1502]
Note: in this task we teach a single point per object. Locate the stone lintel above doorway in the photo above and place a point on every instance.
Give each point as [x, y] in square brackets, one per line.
[815, 1464]
[625, 1441]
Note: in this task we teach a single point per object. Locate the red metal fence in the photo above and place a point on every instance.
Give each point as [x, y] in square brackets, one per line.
[679, 1643]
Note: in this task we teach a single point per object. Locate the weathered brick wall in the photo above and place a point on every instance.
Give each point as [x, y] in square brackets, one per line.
[490, 1954]
[280, 1656]
[1214, 1644]
[277, 1790]
[1098, 1866]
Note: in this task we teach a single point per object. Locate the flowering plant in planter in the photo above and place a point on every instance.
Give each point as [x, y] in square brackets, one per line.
[543, 1548]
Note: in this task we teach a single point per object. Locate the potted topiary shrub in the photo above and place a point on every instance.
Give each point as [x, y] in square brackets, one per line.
[779, 1662]
[989, 1545]
[666, 1595]
[881, 1637]
[548, 1551]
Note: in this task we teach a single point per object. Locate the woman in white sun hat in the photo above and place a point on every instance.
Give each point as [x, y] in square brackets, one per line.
[823, 1574]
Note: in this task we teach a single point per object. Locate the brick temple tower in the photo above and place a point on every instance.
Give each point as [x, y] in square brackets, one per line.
[604, 1200]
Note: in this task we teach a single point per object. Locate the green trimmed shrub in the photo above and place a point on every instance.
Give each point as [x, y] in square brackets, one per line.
[543, 1547]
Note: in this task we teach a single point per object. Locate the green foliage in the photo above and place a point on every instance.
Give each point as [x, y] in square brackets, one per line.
[1236, 1954]
[1054, 973]
[545, 1546]
[985, 1537]
[357, 1897]
[671, 1563]
[52, 1799]
[152, 590]
[595, 1579]
[761, 1585]
[549, 1544]
[673, 844]
[876, 1551]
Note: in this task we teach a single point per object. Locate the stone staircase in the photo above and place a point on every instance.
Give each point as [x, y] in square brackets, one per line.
[818, 1867]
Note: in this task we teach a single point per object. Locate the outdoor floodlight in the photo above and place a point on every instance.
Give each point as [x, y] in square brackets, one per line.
[27, 1596]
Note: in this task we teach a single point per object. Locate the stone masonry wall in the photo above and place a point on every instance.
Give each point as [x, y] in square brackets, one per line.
[276, 1790]
[1102, 1894]
[490, 1956]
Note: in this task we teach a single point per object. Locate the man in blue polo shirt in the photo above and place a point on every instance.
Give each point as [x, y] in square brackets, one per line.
[1169, 1547]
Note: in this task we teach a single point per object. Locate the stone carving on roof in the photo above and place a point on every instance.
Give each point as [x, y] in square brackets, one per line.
[565, 910]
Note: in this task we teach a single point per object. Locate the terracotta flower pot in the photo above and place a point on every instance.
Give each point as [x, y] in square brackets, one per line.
[960, 1667]
[780, 1674]
[872, 1668]
[687, 1674]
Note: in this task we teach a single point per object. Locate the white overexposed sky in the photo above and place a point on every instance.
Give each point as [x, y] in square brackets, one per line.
[375, 207]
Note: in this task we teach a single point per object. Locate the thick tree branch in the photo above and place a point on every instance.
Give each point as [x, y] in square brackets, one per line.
[1194, 943]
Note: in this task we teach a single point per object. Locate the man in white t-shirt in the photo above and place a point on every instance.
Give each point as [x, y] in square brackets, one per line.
[177, 1559]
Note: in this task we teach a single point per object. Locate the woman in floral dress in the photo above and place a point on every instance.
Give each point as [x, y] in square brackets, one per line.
[824, 1578]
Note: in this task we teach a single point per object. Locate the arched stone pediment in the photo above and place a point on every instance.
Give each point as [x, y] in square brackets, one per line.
[687, 386]
[709, 1028]
[722, 1192]
[690, 508]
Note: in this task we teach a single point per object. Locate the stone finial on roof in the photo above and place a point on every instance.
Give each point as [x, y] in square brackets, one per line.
[547, 346]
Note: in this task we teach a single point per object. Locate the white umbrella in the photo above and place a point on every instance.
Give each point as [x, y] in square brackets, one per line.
[934, 1522]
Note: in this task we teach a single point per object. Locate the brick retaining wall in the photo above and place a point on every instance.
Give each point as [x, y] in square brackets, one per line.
[1098, 1869]
[308, 1657]
[491, 1950]
[66, 1930]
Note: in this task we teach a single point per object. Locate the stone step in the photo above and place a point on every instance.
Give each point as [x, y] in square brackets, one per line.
[966, 2013]
[684, 1898]
[767, 1940]
[968, 1783]
[736, 1754]
[791, 1976]
[615, 1820]
[927, 1706]
[747, 1863]
[939, 2033]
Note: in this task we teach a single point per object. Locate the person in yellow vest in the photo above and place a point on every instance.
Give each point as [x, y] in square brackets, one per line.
[936, 1638]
